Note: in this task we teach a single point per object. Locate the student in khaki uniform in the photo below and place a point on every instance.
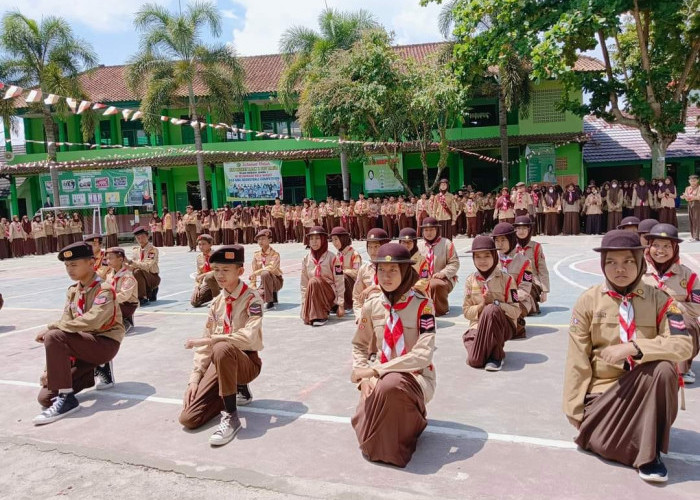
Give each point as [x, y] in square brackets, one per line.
[621, 383]
[82, 344]
[101, 265]
[322, 281]
[408, 238]
[50, 234]
[156, 225]
[39, 236]
[522, 201]
[642, 199]
[168, 236]
[190, 222]
[443, 207]
[442, 262]
[533, 252]
[266, 266]
[366, 283]
[665, 272]
[391, 414]
[614, 198]
[519, 267]
[277, 213]
[75, 228]
[111, 228]
[124, 284]
[205, 286]
[503, 209]
[349, 259]
[491, 307]
[144, 265]
[692, 196]
[226, 357]
[362, 211]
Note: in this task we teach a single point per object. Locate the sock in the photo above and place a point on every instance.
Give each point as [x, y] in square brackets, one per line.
[243, 391]
[230, 403]
[65, 391]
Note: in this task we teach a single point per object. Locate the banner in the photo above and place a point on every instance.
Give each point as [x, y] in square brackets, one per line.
[128, 187]
[378, 176]
[253, 180]
[541, 162]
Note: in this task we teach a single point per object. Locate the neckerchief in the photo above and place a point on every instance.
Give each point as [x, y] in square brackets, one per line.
[229, 309]
[82, 292]
[625, 316]
[393, 330]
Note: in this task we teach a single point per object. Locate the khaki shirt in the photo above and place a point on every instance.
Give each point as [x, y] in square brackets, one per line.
[168, 222]
[443, 207]
[145, 258]
[595, 326]
[277, 212]
[418, 333]
[125, 285]
[38, 230]
[101, 314]
[681, 284]
[366, 276]
[203, 267]
[111, 226]
[361, 207]
[268, 262]
[520, 269]
[501, 212]
[533, 252]
[617, 206]
[351, 261]
[593, 204]
[667, 199]
[638, 202]
[691, 193]
[331, 273]
[500, 285]
[48, 227]
[60, 227]
[571, 207]
[246, 326]
[189, 219]
[446, 260]
[101, 266]
[521, 201]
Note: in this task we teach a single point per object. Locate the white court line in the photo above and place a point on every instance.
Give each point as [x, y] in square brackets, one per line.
[7, 334]
[558, 273]
[691, 259]
[37, 292]
[574, 267]
[173, 294]
[433, 429]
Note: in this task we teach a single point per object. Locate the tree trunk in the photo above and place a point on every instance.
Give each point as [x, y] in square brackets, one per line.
[344, 169]
[51, 153]
[503, 132]
[198, 148]
[658, 159]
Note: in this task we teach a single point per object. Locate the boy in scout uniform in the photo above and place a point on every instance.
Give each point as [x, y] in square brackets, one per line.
[692, 196]
[190, 221]
[391, 414]
[349, 259]
[362, 211]
[522, 201]
[277, 213]
[532, 251]
[443, 264]
[101, 265]
[83, 342]
[122, 280]
[226, 357]
[205, 287]
[144, 265]
[491, 307]
[443, 207]
[366, 283]
[621, 383]
[266, 266]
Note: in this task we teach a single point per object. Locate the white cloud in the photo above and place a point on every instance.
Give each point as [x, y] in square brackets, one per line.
[264, 21]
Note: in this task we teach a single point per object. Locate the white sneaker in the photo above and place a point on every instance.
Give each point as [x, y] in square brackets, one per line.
[227, 430]
[318, 322]
[689, 377]
[105, 376]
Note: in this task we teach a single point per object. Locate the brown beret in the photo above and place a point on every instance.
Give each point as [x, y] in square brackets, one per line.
[392, 253]
[263, 232]
[503, 229]
[430, 222]
[75, 251]
[664, 232]
[228, 254]
[619, 239]
[481, 243]
[378, 234]
[646, 225]
[408, 233]
[628, 221]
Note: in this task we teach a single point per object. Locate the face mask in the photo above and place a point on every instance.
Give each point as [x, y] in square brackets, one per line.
[551, 190]
[614, 185]
[661, 184]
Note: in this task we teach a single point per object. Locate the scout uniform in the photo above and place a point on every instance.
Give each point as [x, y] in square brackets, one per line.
[39, 236]
[350, 262]
[88, 335]
[471, 212]
[101, 266]
[624, 411]
[168, 237]
[322, 282]
[522, 200]
[420, 265]
[692, 196]
[642, 199]
[50, 235]
[267, 266]
[532, 251]
[144, 263]
[16, 237]
[277, 214]
[190, 222]
[111, 230]
[441, 257]
[614, 199]
[571, 203]
[75, 230]
[490, 324]
[503, 211]
[366, 275]
[389, 421]
[126, 288]
[205, 287]
[362, 210]
[223, 369]
[443, 207]
[4, 248]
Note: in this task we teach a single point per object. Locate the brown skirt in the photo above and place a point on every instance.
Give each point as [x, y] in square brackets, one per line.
[4, 249]
[614, 219]
[487, 340]
[389, 422]
[349, 285]
[631, 422]
[17, 247]
[572, 224]
[668, 216]
[319, 300]
[168, 239]
[551, 224]
[111, 241]
[642, 212]
[157, 239]
[439, 291]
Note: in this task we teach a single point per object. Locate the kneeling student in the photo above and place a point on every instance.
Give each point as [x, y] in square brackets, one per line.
[621, 382]
[533, 252]
[266, 266]
[391, 414]
[226, 358]
[144, 264]
[322, 281]
[491, 306]
[205, 287]
[124, 284]
[366, 284]
[82, 344]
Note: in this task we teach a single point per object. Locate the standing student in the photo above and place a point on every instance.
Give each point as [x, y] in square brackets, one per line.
[593, 207]
[82, 344]
[50, 234]
[168, 238]
[504, 211]
[349, 259]
[144, 264]
[692, 196]
[190, 222]
[205, 285]
[277, 213]
[642, 200]
[551, 207]
[4, 248]
[366, 283]
[39, 234]
[391, 414]
[266, 266]
[16, 236]
[322, 280]
[522, 201]
[101, 266]
[111, 229]
[443, 208]
[620, 383]
[667, 202]
[491, 307]
[533, 252]
[443, 264]
[125, 286]
[226, 358]
[571, 203]
[614, 198]
[75, 228]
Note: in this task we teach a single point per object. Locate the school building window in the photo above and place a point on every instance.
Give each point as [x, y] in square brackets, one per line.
[279, 122]
[544, 106]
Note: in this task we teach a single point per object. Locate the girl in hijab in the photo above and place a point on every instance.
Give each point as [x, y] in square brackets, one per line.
[16, 237]
[571, 204]
[594, 212]
[39, 234]
[180, 229]
[76, 228]
[29, 245]
[157, 229]
[392, 413]
[614, 199]
[349, 259]
[642, 200]
[552, 208]
[667, 202]
[504, 210]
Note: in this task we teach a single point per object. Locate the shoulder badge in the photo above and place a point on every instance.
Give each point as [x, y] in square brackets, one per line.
[527, 276]
[684, 283]
[255, 309]
[427, 323]
[100, 300]
[514, 294]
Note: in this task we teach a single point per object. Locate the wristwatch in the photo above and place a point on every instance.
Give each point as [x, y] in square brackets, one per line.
[639, 354]
[497, 302]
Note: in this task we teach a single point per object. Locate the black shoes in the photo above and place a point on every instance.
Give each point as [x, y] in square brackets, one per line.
[105, 376]
[654, 472]
[269, 305]
[62, 405]
[154, 295]
[143, 302]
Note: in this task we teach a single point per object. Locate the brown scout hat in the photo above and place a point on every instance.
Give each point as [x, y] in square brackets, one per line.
[430, 222]
[205, 237]
[75, 251]
[664, 232]
[646, 225]
[392, 253]
[503, 229]
[522, 220]
[444, 180]
[521, 183]
[482, 243]
[263, 232]
[378, 234]
[116, 250]
[629, 221]
[140, 230]
[316, 230]
[339, 231]
[619, 239]
[408, 233]
[92, 237]
[228, 254]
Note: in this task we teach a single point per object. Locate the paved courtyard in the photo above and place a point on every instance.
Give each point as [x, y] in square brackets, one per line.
[491, 435]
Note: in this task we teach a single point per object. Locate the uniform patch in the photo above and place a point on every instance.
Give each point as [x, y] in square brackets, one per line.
[338, 269]
[527, 276]
[684, 283]
[100, 300]
[574, 320]
[151, 254]
[695, 296]
[514, 295]
[364, 320]
[255, 309]
[427, 323]
[676, 323]
[427, 310]
[424, 273]
[673, 310]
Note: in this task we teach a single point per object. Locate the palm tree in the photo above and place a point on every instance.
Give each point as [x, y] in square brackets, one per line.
[172, 57]
[46, 55]
[304, 48]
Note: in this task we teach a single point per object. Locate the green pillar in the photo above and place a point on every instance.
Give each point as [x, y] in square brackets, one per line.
[210, 130]
[460, 171]
[248, 120]
[309, 179]
[98, 138]
[215, 195]
[156, 192]
[113, 138]
[166, 130]
[170, 187]
[61, 133]
[14, 204]
[28, 135]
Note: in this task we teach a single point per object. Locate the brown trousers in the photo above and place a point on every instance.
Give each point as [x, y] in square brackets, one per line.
[147, 282]
[472, 229]
[128, 310]
[389, 422]
[349, 285]
[279, 231]
[438, 291]
[388, 224]
[88, 349]
[111, 240]
[191, 232]
[446, 228]
[694, 216]
[205, 291]
[363, 223]
[229, 367]
[487, 340]
[319, 300]
[631, 422]
[270, 284]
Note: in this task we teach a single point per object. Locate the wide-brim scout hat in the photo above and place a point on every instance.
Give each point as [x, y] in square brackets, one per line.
[619, 239]
[482, 243]
[694, 177]
[316, 230]
[228, 254]
[664, 232]
[522, 220]
[205, 237]
[93, 237]
[339, 231]
[116, 250]
[392, 253]
[378, 234]
[408, 234]
[430, 222]
[519, 184]
[645, 226]
[263, 232]
[502, 229]
[444, 180]
[140, 230]
[75, 251]
[629, 221]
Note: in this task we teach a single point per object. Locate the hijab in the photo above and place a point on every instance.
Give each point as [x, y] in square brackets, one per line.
[641, 269]
[523, 242]
[551, 197]
[317, 254]
[409, 276]
[662, 268]
[487, 274]
[642, 191]
[614, 192]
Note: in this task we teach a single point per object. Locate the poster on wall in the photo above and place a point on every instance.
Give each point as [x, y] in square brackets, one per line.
[253, 180]
[541, 163]
[126, 187]
[378, 176]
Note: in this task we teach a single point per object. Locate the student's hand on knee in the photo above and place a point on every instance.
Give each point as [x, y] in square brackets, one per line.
[41, 336]
[189, 394]
[360, 374]
[440, 276]
[191, 343]
[616, 353]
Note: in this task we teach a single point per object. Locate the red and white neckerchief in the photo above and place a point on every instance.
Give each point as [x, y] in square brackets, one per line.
[470, 207]
[143, 249]
[341, 255]
[661, 280]
[521, 250]
[393, 330]
[98, 261]
[505, 261]
[82, 292]
[628, 327]
[520, 197]
[484, 283]
[206, 267]
[317, 266]
[430, 256]
[263, 259]
[229, 309]
[117, 276]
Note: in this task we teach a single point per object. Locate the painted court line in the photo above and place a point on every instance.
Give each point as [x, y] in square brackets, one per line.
[558, 273]
[335, 419]
[36, 293]
[7, 334]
